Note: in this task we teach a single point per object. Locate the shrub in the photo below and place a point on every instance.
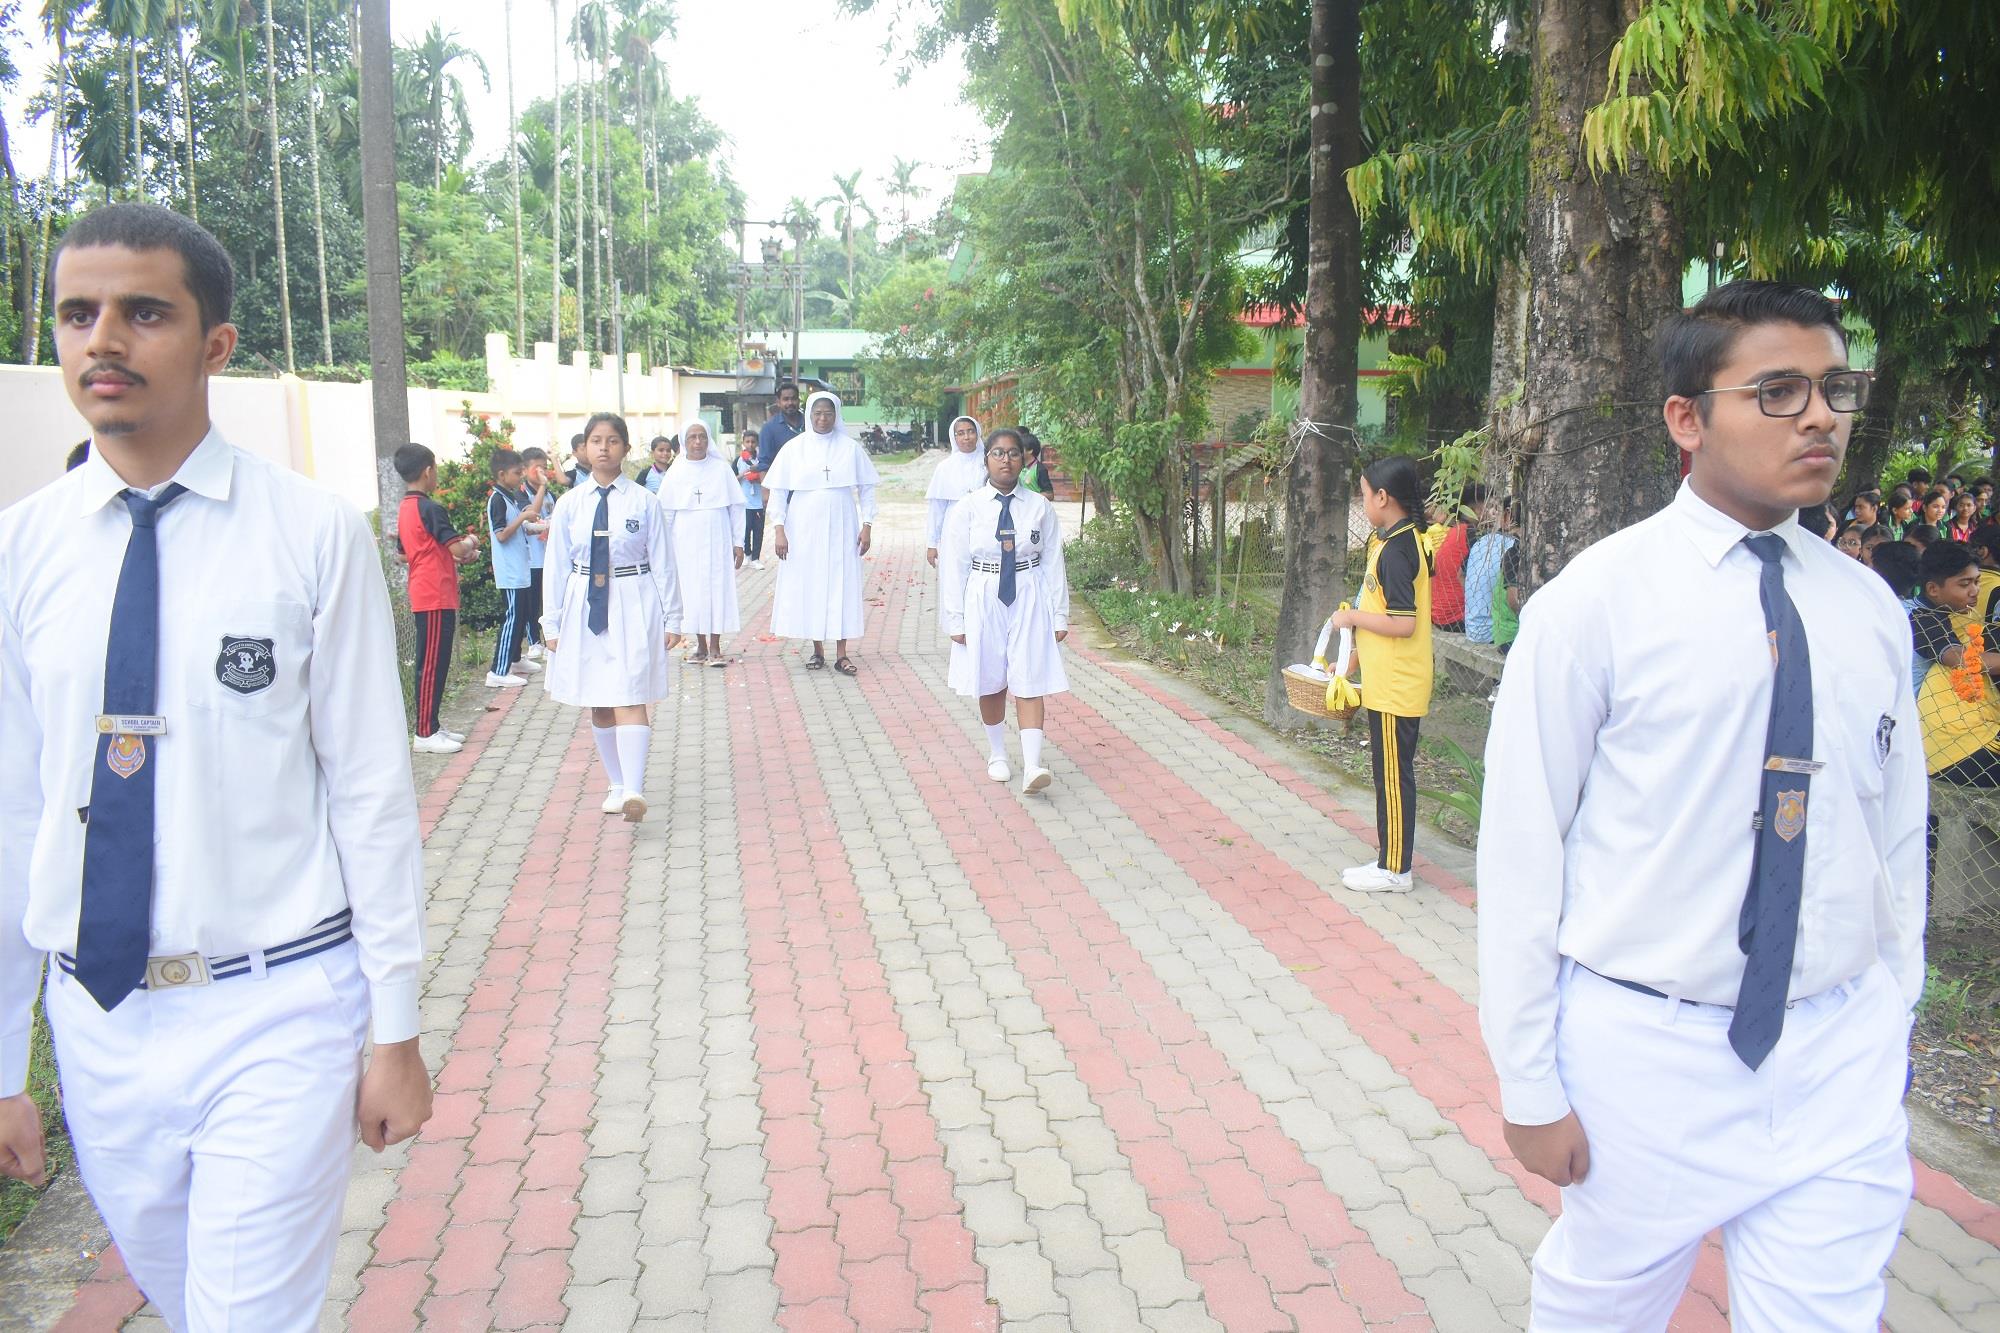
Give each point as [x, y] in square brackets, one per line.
[1103, 553]
[462, 490]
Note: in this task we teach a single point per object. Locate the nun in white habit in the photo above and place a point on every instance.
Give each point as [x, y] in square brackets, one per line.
[822, 515]
[958, 474]
[704, 507]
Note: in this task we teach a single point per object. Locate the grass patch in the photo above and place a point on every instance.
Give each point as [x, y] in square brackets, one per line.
[17, 1197]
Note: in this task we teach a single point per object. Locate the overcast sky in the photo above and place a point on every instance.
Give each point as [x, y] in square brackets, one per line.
[747, 63]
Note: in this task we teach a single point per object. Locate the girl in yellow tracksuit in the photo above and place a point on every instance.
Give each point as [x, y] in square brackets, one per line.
[1392, 639]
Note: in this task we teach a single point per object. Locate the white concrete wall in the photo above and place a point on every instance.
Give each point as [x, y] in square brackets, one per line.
[327, 430]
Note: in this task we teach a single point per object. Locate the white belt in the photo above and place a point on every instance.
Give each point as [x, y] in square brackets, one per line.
[982, 567]
[620, 572]
[192, 969]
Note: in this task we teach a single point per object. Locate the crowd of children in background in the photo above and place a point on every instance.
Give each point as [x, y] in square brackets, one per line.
[1937, 546]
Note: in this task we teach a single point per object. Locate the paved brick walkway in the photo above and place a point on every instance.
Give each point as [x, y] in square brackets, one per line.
[848, 1037]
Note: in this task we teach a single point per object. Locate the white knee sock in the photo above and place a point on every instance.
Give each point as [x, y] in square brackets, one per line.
[996, 740]
[607, 753]
[633, 742]
[1031, 747]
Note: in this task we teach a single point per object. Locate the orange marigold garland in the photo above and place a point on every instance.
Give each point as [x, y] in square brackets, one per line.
[1968, 681]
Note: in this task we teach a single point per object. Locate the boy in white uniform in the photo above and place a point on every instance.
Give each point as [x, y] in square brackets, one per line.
[1701, 865]
[209, 827]
[1005, 602]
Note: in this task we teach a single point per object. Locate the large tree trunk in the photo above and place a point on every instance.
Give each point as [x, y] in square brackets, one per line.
[1606, 257]
[319, 201]
[1512, 287]
[277, 182]
[514, 172]
[1316, 489]
[1874, 430]
[388, 376]
[555, 172]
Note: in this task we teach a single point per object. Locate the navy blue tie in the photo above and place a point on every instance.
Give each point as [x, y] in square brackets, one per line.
[115, 925]
[1005, 533]
[1768, 930]
[600, 563]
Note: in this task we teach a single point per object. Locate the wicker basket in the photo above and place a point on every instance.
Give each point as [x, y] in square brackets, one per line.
[1305, 685]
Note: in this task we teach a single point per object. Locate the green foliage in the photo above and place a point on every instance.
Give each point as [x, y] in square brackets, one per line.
[1105, 552]
[1464, 799]
[17, 1197]
[463, 488]
[1946, 1003]
[924, 339]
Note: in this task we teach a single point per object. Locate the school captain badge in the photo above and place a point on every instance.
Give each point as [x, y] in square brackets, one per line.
[1791, 815]
[246, 665]
[125, 755]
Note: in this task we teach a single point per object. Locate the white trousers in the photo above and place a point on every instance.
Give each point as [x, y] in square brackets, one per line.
[1804, 1163]
[214, 1126]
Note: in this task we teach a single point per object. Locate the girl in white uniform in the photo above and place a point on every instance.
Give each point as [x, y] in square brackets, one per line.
[1009, 635]
[613, 609]
[704, 507]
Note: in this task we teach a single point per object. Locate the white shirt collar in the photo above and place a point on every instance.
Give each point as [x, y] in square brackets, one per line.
[585, 481]
[206, 472]
[1715, 534]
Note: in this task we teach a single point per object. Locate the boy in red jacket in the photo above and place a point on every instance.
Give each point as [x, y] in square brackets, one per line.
[434, 552]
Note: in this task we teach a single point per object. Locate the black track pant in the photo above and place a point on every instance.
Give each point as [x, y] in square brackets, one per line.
[435, 632]
[531, 607]
[753, 534]
[1392, 745]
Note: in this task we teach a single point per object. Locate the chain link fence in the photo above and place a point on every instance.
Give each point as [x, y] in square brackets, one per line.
[1958, 713]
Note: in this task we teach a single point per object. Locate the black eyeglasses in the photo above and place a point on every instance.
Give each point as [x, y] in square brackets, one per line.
[1003, 453]
[1789, 395]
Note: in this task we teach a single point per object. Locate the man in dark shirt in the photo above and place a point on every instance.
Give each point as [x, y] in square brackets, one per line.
[785, 424]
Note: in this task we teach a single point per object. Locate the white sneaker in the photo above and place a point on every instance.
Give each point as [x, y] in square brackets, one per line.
[438, 742]
[532, 653]
[526, 668]
[1035, 779]
[614, 802]
[458, 736]
[1374, 879]
[634, 807]
[498, 681]
[996, 768]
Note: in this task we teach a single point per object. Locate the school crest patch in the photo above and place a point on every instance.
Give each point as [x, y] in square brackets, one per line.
[1885, 736]
[246, 665]
[631, 525]
[1035, 536]
[1791, 815]
[126, 755]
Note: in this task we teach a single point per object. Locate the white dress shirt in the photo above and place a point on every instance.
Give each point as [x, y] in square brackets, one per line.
[970, 533]
[1623, 770]
[638, 537]
[277, 805]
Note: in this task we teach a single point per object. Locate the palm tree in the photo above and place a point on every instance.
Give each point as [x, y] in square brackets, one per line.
[514, 170]
[904, 190]
[277, 182]
[434, 56]
[132, 21]
[846, 200]
[576, 71]
[319, 204]
[224, 22]
[58, 19]
[555, 205]
[386, 350]
[180, 25]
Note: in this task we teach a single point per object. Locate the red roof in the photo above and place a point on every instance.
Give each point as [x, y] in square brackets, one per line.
[1270, 316]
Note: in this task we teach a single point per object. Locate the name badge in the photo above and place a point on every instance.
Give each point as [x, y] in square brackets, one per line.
[130, 724]
[603, 533]
[1780, 764]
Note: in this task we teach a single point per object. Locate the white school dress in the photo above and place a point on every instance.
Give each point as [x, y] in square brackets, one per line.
[627, 663]
[822, 490]
[704, 507]
[1007, 647]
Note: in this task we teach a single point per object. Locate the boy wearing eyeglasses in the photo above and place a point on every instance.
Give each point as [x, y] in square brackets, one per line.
[1701, 864]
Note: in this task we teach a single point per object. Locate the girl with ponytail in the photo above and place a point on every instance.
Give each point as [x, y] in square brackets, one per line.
[1392, 640]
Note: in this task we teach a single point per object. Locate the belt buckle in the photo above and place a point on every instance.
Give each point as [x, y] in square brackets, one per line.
[181, 969]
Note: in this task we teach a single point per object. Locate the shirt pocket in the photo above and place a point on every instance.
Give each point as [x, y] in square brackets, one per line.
[252, 660]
